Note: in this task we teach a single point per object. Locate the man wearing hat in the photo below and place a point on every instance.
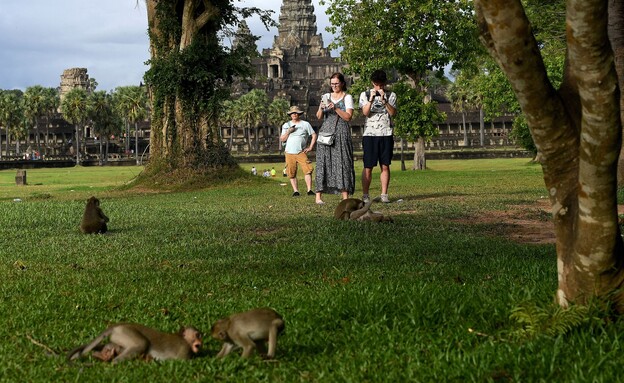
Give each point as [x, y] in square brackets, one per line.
[295, 135]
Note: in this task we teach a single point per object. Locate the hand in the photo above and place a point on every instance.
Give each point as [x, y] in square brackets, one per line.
[372, 95]
[292, 129]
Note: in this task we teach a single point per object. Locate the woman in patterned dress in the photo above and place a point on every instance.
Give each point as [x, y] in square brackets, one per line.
[334, 163]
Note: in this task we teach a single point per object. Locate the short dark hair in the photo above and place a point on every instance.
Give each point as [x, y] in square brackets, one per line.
[379, 77]
[340, 78]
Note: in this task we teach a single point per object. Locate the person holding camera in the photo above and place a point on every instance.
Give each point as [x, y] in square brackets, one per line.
[335, 173]
[378, 106]
[295, 133]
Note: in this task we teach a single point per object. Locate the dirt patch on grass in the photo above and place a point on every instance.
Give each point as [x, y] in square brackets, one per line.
[529, 223]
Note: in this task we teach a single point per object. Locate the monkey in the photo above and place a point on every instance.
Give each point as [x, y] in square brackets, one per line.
[352, 209]
[346, 207]
[249, 330]
[133, 340]
[93, 219]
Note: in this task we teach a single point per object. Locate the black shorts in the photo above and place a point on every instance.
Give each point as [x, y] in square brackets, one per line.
[377, 150]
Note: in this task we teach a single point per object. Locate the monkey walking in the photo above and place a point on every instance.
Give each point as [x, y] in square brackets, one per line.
[351, 209]
[249, 330]
[93, 220]
[128, 341]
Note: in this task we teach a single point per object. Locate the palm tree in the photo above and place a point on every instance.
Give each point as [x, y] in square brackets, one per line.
[105, 120]
[253, 108]
[34, 109]
[10, 112]
[132, 105]
[230, 112]
[277, 115]
[74, 111]
[51, 102]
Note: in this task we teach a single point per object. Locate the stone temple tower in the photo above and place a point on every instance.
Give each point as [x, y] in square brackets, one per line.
[298, 66]
[297, 29]
[74, 78]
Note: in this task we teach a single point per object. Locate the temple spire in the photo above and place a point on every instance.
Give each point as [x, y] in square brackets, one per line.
[297, 28]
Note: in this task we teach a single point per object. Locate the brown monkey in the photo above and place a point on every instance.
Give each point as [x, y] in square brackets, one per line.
[352, 209]
[93, 219]
[249, 330]
[346, 207]
[133, 340]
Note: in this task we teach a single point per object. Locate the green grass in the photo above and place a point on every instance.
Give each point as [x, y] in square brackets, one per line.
[424, 299]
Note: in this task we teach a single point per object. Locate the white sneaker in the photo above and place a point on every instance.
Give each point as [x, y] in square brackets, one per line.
[384, 198]
[365, 198]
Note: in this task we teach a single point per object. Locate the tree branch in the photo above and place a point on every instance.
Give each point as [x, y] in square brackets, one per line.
[210, 12]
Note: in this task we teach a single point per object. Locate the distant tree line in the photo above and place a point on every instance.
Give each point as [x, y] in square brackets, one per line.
[108, 113]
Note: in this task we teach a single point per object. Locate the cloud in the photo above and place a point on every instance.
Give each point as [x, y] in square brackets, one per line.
[41, 38]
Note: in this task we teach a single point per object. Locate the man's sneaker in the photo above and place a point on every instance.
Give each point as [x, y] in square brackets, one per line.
[296, 194]
[365, 198]
[384, 198]
[310, 192]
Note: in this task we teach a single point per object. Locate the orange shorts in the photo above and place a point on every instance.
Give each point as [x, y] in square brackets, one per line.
[291, 164]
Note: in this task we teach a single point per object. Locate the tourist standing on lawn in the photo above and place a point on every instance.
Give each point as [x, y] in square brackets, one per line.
[335, 173]
[295, 133]
[378, 106]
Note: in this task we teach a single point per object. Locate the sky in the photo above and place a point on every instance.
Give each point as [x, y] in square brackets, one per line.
[41, 38]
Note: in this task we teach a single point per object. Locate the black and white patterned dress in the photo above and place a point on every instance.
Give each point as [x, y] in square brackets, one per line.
[334, 164]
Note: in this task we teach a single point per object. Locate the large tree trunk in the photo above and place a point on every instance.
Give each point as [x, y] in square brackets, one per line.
[180, 130]
[419, 155]
[577, 132]
[616, 37]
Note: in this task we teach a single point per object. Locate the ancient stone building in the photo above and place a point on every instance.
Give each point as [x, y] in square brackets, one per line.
[298, 65]
[73, 78]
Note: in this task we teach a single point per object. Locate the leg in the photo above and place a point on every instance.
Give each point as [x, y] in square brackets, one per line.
[367, 175]
[319, 200]
[384, 178]
[308, 181]
[248, 347]
[226, 349]
[293, 183]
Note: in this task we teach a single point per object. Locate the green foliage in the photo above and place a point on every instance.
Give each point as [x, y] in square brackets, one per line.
[415, 118]
[276, 114]
[100, 108]
[11, 110]
[74, 106]
[551, 321]
[485, 86]
[412, 37]
[521, 134]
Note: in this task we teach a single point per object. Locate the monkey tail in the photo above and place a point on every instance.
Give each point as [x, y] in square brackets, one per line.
[85, 348]
[358, 213]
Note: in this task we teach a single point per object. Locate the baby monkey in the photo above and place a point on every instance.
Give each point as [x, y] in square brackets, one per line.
[128, 341]
[249, 330]
[351, 209]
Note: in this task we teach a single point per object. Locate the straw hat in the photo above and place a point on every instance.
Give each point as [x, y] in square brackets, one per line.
[294, 109]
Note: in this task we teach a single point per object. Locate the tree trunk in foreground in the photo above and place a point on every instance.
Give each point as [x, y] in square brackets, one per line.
[419, 155]
[577, 132]
[616, 37]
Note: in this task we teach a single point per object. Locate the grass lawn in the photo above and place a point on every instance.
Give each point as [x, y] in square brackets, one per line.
[439, 295]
